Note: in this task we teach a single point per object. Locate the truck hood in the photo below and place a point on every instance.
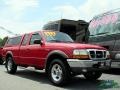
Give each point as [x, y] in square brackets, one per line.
[76, 45]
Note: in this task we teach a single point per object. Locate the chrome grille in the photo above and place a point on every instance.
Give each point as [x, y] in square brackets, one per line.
[97, 54]
[92, 54]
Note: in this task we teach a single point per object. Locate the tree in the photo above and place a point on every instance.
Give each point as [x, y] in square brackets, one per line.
[4, 41]
[0, 42]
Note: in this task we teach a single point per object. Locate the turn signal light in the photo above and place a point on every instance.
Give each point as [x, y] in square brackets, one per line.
[81, 57]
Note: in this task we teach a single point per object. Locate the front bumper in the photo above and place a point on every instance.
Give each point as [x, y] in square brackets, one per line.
[81, 66]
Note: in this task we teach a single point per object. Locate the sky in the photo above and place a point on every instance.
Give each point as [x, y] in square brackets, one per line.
[22, 16]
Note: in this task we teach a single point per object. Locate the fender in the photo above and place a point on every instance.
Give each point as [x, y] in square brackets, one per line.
[59, 52]
[10, 53]
[5, 58]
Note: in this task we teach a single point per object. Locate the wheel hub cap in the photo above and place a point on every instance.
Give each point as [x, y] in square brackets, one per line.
[9, 65]
[56, 72]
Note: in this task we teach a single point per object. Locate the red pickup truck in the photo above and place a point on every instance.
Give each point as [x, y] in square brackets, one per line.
[57, 54]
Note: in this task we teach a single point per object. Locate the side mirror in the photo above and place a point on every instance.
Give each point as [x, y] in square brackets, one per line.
[37, 41]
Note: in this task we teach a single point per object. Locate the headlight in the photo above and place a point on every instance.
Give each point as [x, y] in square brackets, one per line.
[81, 54]
[108, 54]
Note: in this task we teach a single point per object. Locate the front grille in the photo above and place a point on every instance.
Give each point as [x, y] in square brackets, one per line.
[97, 54]
[92, 54]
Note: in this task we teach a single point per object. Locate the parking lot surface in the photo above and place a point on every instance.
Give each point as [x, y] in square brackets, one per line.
[28, 79]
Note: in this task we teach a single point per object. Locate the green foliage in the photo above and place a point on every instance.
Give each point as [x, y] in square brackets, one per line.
[3, 41]
[0, 42]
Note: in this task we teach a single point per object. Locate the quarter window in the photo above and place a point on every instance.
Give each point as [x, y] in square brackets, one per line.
[14, 41]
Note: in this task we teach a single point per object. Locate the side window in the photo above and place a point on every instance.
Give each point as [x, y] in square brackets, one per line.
[9, 42]
[25, 40]
[14, 41]
[92, 28]
[116, 28]
[110, 24]
[103, 28]
[34, 37]
[103, 25]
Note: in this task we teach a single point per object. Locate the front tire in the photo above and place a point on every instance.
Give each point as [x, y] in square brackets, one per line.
[93, 75]
[11, 66]
[58, 72]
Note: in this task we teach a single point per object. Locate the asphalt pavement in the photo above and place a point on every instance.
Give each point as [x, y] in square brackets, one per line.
[29, 79]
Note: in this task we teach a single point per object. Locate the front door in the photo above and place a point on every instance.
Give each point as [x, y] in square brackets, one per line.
[35, 51]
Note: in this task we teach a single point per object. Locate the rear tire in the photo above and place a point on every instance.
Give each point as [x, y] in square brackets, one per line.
[93, 75]
[58, 72]
[11, 66]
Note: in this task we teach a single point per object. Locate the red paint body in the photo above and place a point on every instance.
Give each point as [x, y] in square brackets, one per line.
[0, 52]
[36, 55]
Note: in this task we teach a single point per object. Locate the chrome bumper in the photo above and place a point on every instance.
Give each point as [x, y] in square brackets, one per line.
[88, 65]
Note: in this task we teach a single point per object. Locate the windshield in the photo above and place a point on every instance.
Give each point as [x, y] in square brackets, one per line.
[104, 25]
[52, 36]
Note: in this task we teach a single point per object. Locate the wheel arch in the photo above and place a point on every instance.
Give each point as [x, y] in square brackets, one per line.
[55, 54]
[8, 54]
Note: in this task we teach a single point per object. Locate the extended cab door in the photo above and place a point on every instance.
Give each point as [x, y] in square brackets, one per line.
[30, 53]
[23, 54]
